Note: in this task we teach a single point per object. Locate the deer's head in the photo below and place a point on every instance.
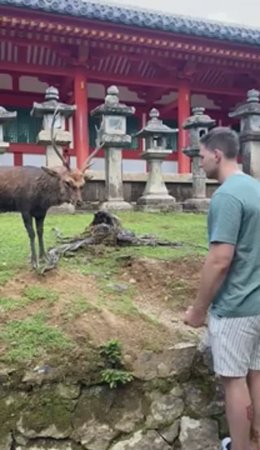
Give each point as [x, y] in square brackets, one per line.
[72, 181]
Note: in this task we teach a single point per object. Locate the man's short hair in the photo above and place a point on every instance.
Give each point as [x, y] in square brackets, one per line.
[224, 139]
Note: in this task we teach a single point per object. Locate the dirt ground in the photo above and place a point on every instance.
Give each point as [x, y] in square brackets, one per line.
[162, 291]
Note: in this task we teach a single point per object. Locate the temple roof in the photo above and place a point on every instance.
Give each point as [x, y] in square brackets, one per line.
[142, 18]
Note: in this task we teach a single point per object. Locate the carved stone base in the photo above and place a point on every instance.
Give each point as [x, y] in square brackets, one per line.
[196, 205]
[116, 205]
[156, 203]
[65, 208]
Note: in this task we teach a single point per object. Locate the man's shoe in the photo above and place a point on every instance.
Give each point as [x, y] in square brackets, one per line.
[225, 444]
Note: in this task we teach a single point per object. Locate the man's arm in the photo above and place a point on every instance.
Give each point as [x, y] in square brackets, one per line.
[213, 274]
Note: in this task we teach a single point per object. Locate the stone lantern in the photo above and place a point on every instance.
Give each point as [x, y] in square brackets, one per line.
[155, 196]
[45, 111]
[198, 124]
[249, 115]
[112, 135]
[5, 117]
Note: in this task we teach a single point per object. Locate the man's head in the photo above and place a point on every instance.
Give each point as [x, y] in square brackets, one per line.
[218, 149]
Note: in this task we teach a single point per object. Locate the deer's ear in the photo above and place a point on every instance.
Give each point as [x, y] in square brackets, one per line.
[53, 172]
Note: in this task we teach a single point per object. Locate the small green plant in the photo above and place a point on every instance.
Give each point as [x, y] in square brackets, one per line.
[114, 377]
[112, 353]
[114, 374]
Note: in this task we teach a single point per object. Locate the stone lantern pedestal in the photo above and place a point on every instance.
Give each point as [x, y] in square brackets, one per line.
[155, 196]
[198, 124]
[113, 137]
[46, 111]
[249, 115]
[5, 117]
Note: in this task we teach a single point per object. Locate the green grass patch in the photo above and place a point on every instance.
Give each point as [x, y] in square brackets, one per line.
[5, 276]
[32, 337]
[34, 293]
[119, 304]
[11, 304]
[77, 307]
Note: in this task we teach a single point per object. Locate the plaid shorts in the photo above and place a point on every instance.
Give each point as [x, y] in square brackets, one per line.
[235, 344]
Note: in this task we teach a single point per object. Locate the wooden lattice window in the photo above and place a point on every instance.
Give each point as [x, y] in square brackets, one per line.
[23, 129]
[132, 127]
[172, 141]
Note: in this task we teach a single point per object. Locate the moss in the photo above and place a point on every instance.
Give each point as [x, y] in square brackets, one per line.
[11, 406]
[48, 408]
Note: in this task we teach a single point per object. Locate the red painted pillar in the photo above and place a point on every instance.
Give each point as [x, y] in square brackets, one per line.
[81, 133]
[183, 114]
[18, 159]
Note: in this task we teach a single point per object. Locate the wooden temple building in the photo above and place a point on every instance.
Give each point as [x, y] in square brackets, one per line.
[157, 60]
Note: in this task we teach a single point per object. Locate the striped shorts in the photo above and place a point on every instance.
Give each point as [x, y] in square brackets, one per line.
[235, 344]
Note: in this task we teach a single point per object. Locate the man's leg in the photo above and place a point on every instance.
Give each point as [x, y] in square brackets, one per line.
[254, 388]
[237, 403]
[233, 341]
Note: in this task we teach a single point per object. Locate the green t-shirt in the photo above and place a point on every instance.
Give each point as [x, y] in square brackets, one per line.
[234, 218]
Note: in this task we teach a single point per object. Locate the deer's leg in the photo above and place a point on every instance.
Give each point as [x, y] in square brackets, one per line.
[39, 227]
[28, 223]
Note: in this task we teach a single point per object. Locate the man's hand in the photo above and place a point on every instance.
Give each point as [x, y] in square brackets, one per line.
[195, 317]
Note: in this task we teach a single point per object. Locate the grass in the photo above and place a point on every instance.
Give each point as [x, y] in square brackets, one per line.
[11, 304]
[187, 228]
[35, 293]
[31, 337]
[77, 307]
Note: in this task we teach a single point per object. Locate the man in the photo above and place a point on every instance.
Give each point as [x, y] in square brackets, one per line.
[230, 286]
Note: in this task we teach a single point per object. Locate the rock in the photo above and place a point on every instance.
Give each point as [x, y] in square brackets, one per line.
[37, 375]
[69, 392]
[94, 435]
[175, 360]
[118, 287]
[169, 434]
[20, 440]
[165, 408]
[198, 434]
[50, 431]
[129, 420]
[50, 445]
[6, 441]
[142, 441]
[204, 399]
[102, 414]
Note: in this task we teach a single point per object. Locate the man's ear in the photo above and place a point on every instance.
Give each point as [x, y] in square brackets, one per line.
[218, 155]
[53, 172]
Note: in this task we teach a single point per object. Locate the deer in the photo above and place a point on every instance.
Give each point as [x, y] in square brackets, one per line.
[33, 190]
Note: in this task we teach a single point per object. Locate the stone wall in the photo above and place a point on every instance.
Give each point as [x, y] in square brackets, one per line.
[179, 186]
[173, 403]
